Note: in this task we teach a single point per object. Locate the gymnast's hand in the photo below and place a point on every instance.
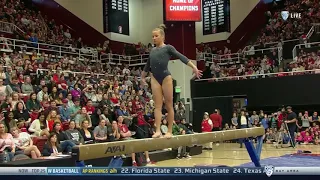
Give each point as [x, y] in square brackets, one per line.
[197, 72]
[143, 81]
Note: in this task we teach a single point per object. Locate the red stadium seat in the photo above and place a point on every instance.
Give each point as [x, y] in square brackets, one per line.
[39, 142]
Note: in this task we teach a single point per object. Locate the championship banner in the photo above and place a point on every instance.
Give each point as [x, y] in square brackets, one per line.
[183, 10]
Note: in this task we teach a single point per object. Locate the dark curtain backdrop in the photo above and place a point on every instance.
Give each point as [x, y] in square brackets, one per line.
[209, 104]
[272, 91]
[182, 36]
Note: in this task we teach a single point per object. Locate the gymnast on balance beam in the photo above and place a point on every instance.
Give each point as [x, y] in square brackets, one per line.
[161, 80]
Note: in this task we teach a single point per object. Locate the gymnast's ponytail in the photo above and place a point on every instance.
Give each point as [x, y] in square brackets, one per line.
[161, 28]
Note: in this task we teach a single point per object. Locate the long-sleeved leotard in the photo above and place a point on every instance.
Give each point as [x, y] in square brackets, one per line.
[158, 61]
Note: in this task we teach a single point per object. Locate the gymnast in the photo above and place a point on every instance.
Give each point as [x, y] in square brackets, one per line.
[161, 79]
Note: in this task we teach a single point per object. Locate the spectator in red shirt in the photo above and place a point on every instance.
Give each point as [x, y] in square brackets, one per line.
[125, 134]
[62, 85]
[143, 128]
[90, 108]
[216, 119]
[206, 126]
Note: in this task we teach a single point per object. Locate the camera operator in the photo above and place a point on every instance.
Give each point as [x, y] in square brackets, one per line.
[292, 125]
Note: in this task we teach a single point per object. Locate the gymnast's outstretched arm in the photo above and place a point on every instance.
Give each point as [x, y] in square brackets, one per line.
[184, 59]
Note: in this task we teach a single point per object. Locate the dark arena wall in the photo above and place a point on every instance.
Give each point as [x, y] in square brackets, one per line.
[273, 92]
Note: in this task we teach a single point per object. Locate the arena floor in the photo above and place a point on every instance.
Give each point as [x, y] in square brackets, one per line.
[230, 154]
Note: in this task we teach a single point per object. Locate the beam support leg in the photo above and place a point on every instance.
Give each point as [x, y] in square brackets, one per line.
[254, 152]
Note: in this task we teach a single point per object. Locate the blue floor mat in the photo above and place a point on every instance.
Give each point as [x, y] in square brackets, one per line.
[288, 161]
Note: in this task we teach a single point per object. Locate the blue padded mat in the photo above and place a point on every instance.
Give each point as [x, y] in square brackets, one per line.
[288, 161]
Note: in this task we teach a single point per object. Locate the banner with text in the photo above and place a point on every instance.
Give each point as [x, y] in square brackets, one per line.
[183, 10]
[216, 16]
[116, 16]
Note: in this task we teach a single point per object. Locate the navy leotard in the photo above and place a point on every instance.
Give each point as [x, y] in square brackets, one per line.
[158, 61]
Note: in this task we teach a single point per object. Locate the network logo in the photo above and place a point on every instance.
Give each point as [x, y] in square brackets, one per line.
[269, 170]
[286, 14]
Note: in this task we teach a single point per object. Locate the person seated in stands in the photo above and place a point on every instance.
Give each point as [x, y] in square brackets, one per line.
[6, 142]
[86, 133]
[105, 102]
[316, 138]
[15, 86]
[45, 103]
[15, 99]
[65, 144]
[59, 99]
[75, 109]
[307, 139]
[285, 137]
[22, 125]
[101, 131]
[70, 102]
[40, 126]
[106, 115]
[65, 113]
[52, 118]
[122, 111]
[143, 127]
[92, 111]
[164, 127]
[62, 85]
[270, 137]
[115, 100]
[24, 143]
[226, 127]
[53, 106]
[33, 103]
[26, 87]
[52, 147]
[186, 126]
[149, 110]
[73, 134]
[54, 94]
[76, 91]
[21, 112]
[9, 121]
[183, 151]
[115, 134]
[44, 91]
[6, 103]
[299, 138]
[83, 116]
[126, 134]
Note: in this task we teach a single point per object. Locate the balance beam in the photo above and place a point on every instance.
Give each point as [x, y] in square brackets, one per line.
[101, 150]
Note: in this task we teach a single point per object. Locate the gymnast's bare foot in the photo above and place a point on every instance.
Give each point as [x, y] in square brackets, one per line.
[156, 135]
[168, 135]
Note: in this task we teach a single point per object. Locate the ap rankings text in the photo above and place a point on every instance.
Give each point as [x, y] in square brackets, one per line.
[175, 171]
[106, 171]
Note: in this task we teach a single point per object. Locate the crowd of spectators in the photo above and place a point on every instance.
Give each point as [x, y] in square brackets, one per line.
[278, 30]
[37, 28]
[73, 109]
[307, 131]
[223, 63]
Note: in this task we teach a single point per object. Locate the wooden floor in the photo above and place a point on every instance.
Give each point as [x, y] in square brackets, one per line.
[231, 154]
